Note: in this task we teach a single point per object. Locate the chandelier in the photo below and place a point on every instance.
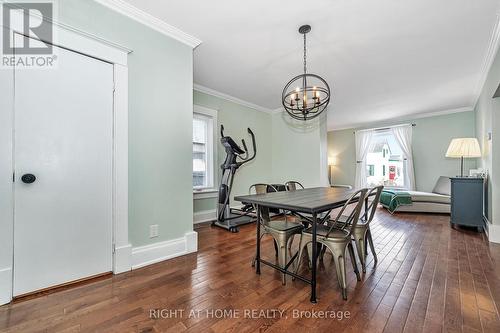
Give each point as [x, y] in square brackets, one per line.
[305, 96]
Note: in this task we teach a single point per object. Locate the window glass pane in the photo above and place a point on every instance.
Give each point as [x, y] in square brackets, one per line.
[200, 154]
[385, 161]
[203, 151]
[199, 130]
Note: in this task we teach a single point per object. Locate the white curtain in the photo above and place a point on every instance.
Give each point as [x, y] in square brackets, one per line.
[363, 142]
[403, 135]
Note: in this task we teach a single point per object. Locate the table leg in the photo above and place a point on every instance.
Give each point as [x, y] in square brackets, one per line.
[257, 257]
[314, 258]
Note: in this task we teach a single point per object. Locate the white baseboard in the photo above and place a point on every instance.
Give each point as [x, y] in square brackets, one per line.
[5, 285]
[204, 216]
[494, 233]
[492, 230]
[153, 253]
[123, 259]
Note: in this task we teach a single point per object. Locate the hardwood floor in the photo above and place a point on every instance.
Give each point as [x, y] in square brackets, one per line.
[429, 278]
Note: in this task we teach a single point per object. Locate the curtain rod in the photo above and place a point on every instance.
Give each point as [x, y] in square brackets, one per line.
[385, 128]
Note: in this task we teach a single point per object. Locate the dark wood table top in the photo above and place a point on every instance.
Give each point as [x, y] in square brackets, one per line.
[309, 200]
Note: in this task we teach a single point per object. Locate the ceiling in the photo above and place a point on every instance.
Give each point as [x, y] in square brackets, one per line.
[384, 59]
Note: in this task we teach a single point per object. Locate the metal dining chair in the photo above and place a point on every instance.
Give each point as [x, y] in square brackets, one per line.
[262, 188]
[282, 230]
[293, 185]
[361, 233]
[337, 240]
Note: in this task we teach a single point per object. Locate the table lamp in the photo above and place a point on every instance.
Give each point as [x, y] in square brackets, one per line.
[463, 148]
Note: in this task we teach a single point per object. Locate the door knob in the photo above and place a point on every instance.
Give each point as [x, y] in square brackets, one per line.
[28, 178]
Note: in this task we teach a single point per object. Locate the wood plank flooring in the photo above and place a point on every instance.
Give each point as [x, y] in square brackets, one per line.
[429, 278]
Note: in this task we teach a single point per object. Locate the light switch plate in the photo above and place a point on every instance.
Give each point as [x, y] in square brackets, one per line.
[153, 231]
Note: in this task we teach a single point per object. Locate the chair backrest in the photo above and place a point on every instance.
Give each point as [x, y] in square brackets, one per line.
[293, 185]
[353, 217]
[257, 189]
[262, 188]
[372, 206]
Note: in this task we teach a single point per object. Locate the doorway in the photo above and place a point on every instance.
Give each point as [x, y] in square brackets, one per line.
[63, 172]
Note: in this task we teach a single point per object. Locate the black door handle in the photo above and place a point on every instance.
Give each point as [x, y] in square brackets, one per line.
[28, 178]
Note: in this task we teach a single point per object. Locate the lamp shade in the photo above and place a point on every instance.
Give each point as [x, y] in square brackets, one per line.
[463, 147]
[332, 160]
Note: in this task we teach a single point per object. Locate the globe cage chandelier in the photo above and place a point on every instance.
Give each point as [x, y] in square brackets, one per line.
[305, 96]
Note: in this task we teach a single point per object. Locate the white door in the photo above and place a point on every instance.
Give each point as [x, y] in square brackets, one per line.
[64, 137]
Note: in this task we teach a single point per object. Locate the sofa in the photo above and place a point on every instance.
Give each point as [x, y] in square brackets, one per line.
[437, 201]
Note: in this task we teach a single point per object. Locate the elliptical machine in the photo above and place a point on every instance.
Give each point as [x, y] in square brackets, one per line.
[228, 218]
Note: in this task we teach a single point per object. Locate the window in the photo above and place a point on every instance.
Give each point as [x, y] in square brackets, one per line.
[385, 161]
[204, 121]
[370, 170]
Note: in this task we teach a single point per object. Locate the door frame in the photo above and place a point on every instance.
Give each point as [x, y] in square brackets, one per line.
[94, 46]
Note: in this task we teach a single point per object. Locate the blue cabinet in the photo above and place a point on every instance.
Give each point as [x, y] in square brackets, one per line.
[467, 195]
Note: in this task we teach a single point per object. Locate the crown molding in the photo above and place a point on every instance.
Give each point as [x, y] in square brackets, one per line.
[69, 28]
[488, 60]
[149, 20]
[404, 118]
[440, 113]
[230, 98]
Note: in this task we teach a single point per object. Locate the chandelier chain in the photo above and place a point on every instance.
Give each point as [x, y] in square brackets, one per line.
[305, 55]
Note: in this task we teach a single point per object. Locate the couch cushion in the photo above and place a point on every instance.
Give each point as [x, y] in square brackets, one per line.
[429, 197]
[443, 186]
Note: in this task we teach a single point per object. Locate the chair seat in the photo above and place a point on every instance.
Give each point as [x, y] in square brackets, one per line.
[284, 226]
[322, 230]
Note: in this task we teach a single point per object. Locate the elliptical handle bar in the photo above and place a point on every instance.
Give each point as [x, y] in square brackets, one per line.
[245, 149]
[253, 145]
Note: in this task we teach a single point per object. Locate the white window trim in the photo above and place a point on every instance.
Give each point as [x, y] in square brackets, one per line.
[210, 192]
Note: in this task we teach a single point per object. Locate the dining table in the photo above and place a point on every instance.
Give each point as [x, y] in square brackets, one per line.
[312, 205]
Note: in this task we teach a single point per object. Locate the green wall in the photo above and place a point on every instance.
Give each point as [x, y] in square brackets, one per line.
[297, 150]
[341, 146]
[160, 119]
[431, 137]
[236, 118]
[488, 121]
[286, 150]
